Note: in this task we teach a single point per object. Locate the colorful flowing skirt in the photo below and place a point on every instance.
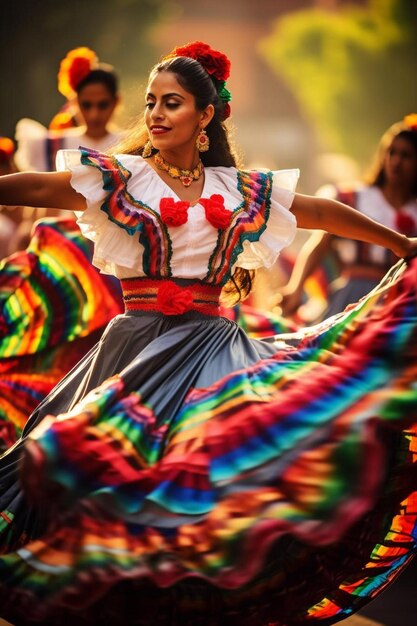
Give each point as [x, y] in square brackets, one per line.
[54, 306]
[184, 474]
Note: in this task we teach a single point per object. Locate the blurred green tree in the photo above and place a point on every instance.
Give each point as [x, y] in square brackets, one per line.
[352, 71]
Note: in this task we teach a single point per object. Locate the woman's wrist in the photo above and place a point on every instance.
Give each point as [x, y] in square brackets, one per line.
[401, 246]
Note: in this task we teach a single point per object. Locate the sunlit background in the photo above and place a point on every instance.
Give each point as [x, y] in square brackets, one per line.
[314, 83]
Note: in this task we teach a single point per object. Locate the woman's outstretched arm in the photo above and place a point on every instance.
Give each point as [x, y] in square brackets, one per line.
[339, 219]
[51, 190]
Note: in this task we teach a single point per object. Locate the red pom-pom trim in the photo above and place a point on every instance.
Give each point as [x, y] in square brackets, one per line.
[174, 300]
[216, 213]
[174, 213]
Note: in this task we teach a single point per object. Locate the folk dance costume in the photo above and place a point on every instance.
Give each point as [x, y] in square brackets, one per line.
[53, 303]
[184, 474]
[38, 145]
[363, 264]
[53, 308]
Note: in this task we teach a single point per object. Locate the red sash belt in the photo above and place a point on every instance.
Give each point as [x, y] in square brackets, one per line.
[169, 298]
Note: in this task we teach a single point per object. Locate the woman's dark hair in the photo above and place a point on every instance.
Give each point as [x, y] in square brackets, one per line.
[376, 175]
[103, 75]
[238, 287]
[196, 81]
[193, 78]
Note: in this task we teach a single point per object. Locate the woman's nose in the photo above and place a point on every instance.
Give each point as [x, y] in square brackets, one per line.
[156, 112]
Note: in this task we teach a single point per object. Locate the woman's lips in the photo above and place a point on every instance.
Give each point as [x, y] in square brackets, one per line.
[159, 130]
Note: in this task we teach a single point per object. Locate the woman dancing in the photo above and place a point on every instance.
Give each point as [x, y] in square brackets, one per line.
[182, 473]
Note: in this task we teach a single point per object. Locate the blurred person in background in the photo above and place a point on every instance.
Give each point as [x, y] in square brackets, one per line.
[39, 356]
[92, 93]
[389, 196]
[10, 217]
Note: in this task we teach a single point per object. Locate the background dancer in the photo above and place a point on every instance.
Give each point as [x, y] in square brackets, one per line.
[389, 197]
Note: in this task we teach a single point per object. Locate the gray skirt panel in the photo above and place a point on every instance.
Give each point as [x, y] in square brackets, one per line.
[159, 356]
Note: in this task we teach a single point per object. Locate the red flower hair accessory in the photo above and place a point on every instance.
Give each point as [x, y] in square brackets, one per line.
[216, 64]
[411, 121]
[74, 68]
[227, 111]
[6, 148]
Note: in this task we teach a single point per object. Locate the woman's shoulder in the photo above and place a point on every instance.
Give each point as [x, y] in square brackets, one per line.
[239, 179]
[113, 170]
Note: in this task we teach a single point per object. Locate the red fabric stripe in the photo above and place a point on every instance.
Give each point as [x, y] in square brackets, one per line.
[140, 294]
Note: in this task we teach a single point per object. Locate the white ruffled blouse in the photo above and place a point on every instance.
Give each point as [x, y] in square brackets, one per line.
[37, 146]
[370, 201]
[132, 238]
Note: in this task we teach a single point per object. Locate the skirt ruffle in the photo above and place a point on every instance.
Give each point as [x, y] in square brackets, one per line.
[183, 473]
[53, 307]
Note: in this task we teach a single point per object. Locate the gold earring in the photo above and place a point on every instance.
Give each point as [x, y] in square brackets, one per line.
[202, 141]
[147, 149]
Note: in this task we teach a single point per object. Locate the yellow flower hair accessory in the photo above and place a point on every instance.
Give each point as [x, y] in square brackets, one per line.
[78, 63]
[411, 121]
[6, 148]
[66, 116]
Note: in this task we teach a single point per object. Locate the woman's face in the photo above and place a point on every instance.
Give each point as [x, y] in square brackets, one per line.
[400, 164]
[97, 105]
[171, 117]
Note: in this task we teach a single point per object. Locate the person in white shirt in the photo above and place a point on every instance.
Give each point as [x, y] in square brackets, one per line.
[389, 196]
[92, 90]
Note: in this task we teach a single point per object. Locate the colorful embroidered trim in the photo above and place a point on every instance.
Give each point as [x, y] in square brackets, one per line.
[248, 223]
[165, 296]
[153, 234]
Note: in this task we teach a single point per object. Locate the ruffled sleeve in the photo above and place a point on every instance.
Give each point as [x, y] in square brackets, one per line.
[110, 218]
[277, 225]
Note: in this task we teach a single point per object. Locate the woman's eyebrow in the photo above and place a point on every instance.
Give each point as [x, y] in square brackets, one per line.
[165, 96]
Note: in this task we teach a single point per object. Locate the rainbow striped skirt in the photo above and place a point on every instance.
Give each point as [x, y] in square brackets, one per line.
[183, 474]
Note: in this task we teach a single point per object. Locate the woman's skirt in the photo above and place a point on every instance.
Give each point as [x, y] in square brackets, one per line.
[184, 474]
[54, 305]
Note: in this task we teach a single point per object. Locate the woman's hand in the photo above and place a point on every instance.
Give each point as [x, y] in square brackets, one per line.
[288, 300]
[410, 247]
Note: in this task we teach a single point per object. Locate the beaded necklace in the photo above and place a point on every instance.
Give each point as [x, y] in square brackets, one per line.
[185, 176]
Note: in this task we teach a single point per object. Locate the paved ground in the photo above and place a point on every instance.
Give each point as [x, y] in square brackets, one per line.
[396, 606]
[358, 620]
